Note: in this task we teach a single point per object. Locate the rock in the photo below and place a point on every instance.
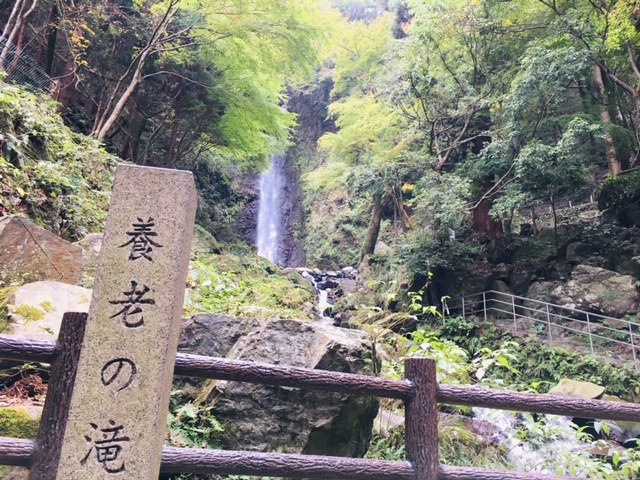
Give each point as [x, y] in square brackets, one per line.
[348, 272]
[29, 253]
[542, 292]
[18, 422]
[37, 308]
[605, 448]
[634, 265]
[261, 418]
[382, 248]
[575, 388]
[348, 285]
[501, 299]
[598, 290]
[577, 251]
[596, 261]
[332, 274]
[91, 246]
[386, 421]
[521, 278]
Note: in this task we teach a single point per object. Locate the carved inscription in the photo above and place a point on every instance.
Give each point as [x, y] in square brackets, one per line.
[120, 371]
[107, 444]
[141, 241]
[131, 305]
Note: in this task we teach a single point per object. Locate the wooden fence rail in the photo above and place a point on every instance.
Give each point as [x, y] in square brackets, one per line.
[419, 390]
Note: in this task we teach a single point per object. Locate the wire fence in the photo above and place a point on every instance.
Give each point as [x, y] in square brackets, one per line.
[20, 68]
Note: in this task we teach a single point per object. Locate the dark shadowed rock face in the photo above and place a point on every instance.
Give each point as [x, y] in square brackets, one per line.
[275, 419]
[29, 253]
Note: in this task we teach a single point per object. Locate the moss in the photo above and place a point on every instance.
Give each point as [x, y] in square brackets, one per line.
[29, 312]
[247, 285]
[16, 422]
[47, 306]
[63, 174]
[5, 295]
[460, 447]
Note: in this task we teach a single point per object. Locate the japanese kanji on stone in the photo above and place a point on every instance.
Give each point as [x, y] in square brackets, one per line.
[119, 404]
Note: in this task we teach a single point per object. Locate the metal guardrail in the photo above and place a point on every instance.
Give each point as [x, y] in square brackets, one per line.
[600, 331]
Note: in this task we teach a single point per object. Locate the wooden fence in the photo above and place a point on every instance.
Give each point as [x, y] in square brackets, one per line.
[420, 392]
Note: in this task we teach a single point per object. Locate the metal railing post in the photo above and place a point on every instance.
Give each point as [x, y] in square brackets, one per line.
[589, 329]
[515, 318]
[548, 321]
[633, 348]
[484, 304]
[464, 313]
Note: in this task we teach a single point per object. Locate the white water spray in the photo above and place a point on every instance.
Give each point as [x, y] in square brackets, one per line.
[272, 183]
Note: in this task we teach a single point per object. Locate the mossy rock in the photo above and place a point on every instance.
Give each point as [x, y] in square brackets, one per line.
[574, 388]
[18, 422]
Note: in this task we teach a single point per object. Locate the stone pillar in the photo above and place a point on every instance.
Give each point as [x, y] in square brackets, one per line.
[116, 423]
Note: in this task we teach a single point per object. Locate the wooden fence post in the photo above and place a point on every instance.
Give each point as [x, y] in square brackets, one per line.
[421, 418]
[48, 444]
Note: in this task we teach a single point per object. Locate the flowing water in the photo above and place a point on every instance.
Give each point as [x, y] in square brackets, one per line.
[269, 232]
[541, 446]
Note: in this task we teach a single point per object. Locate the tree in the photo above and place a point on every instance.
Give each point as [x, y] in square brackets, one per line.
[14, 29]
[608, 32]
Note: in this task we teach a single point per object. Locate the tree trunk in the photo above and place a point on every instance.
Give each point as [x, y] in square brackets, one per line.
[18, 27]
[605, 117]
[63, 86]
[51, 34]
[119, 106]
[555, 221]
[483, 223]
[369, 246]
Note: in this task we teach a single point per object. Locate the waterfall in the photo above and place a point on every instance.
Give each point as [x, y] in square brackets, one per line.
[272, 184]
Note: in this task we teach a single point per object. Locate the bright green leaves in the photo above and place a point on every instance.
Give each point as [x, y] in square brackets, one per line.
[370, 131]
[256, 47]
[359, 53]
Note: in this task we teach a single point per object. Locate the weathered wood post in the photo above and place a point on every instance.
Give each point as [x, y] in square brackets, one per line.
[48, 444]
[421, 418]
[117, 413]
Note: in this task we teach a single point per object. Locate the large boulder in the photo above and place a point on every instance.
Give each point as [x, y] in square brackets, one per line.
[576, 388]
[29, 253]
[37, 308]
[598, 290]
[262, 418]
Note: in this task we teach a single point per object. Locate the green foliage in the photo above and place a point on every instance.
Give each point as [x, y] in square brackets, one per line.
[6, 295]
[620, 192]
[192, 425]
[16, 422]
[502, 357]
[451, 360]
[543, 365]
[457, 446]
[233, 285]
[58, 178]
[422, 252]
